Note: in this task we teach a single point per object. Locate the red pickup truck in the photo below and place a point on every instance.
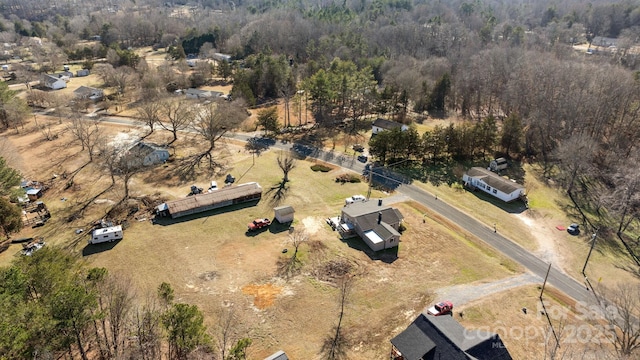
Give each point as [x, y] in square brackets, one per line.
[441, 308]
[258, 224]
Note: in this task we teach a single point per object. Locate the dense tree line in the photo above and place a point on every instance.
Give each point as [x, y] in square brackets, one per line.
[52, 306]
[462, 142]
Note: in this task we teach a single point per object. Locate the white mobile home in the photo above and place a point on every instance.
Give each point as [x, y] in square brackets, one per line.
[493, 184]
[108, 234]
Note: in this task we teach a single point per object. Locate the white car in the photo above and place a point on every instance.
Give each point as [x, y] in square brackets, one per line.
[355, 198]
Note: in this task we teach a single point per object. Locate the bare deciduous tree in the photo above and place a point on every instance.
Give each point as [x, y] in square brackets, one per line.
[288, 266]
[149, 113]
[147, 331]
[214, 120]
[229, 330]
[621, 314]
[122, 163]
[176, 116]
[87, 133]
[115, 304]
[335, 346]
[286, 163]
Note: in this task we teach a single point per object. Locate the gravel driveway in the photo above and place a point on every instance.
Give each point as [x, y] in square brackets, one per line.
[463, 294]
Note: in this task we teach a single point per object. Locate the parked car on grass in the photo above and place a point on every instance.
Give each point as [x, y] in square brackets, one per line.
[355, 198]
[573, 229]
[258, 224]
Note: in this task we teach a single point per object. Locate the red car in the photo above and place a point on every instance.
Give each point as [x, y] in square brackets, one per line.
[258, 224]
[441, 308]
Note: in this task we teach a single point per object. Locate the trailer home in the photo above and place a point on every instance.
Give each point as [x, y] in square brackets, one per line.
[108, 234]
[200, 202]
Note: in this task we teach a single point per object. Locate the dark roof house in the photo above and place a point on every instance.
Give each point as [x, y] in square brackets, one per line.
[376, 224]
[441, 337]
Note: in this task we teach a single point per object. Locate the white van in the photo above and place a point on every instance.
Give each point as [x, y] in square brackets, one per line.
[107, 234]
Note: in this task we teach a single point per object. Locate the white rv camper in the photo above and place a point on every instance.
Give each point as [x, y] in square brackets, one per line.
[107, 234]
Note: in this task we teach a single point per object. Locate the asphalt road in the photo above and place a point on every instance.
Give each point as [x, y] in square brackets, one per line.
[510, 249]
[558, 279]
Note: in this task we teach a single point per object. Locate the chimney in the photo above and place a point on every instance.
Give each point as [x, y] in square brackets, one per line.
[379, 217]
[379, 202]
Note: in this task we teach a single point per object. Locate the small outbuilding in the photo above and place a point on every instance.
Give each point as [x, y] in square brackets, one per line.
[284, 214]
[34, 194]
[498, 164]
[280, 355]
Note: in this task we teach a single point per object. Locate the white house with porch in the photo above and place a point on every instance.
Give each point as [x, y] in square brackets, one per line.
[478, 178]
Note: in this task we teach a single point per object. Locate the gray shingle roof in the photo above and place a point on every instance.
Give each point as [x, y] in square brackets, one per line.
[386, 124]
[49, 79]
[85, 91]
[280, 355]
[494, 180]
[367, 207]
[370, 221]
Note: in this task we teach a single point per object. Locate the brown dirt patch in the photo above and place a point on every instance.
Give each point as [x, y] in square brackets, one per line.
[264, 295]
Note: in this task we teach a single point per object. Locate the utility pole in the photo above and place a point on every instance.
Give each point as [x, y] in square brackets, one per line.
[593, 244]
[370, 185]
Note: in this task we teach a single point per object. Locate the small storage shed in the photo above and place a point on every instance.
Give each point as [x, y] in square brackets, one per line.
[280, 355]
[284, 214]
[498, 164]
[34, 194]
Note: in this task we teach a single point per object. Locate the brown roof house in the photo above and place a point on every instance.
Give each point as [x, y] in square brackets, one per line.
[376, 224]
[441, 337]
[198, 203]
